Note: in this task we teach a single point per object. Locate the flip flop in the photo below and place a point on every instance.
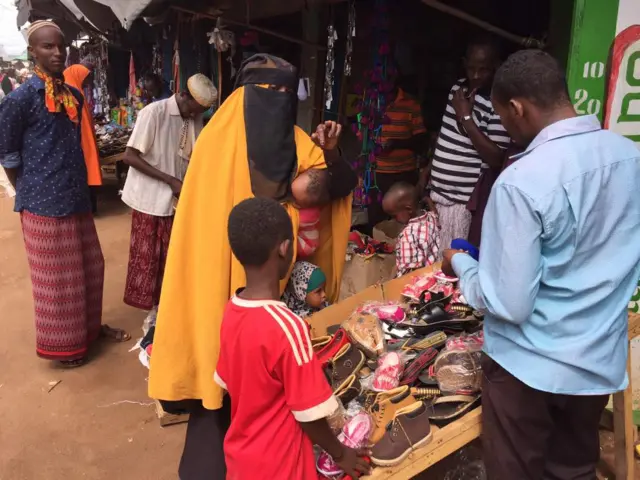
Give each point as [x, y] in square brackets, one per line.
[435, 339]
[446, 409]
[428, 376]
[414, 367]
[116, 335]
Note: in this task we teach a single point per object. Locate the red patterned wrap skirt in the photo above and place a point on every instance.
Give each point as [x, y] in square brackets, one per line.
[67, 274]
[148, 249]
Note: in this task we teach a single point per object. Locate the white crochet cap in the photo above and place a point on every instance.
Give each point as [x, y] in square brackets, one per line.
[202, 90]
[38, 24]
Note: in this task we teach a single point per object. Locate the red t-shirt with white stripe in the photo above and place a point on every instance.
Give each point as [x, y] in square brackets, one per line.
[268, 367]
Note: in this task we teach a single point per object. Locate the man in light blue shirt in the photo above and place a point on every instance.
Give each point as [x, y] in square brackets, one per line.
[560, 259]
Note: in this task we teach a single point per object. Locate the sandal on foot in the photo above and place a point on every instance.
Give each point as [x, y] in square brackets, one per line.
[78, 362]
[114, 334]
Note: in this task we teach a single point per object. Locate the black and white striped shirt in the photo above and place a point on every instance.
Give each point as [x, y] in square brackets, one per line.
[456, 163]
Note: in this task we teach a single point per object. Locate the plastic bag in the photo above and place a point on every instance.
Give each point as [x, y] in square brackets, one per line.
[365, 330]
[338, 419]
[393, 312]
[354, 435]
[472, 342]
[458, 370]
[387, 375]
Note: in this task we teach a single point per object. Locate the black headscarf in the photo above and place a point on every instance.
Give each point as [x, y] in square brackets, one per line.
[269, 117]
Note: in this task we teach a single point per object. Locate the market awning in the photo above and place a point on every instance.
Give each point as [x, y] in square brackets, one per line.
[127, 11]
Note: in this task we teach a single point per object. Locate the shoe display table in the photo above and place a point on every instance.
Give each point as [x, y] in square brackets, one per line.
[449, 439]
[456, 435]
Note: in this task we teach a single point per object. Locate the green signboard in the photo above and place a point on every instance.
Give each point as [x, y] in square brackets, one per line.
[592, 34]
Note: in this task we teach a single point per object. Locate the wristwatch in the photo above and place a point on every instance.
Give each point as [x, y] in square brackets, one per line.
[466, 118]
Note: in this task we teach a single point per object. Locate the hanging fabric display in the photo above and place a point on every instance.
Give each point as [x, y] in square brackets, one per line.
[95, 53]
[176, 66]
[371, 107]
[330, 66]
[132, 76]
[351, 33]
[156, 62]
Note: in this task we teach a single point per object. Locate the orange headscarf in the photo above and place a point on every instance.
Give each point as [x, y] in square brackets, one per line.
[74, 76]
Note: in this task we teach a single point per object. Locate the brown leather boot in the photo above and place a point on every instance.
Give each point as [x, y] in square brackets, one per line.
[409, 431]
[349, 389]
[384, 410]
[348, 361]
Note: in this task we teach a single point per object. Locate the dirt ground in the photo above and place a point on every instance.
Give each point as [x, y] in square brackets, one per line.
[98, 422]
[78, 430]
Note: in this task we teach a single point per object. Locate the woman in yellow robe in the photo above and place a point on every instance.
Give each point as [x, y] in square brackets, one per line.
[251, 147]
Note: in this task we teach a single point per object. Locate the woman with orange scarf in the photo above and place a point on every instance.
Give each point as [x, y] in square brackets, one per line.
[77, 76]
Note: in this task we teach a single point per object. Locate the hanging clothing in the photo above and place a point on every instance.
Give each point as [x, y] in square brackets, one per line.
[305, 278]
[75, 75]
[67, 273]
[201, 272]
[132, 76]
[57, 96]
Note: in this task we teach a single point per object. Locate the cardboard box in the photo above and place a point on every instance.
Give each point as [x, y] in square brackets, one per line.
[387, 231]
[362, 272]
[387, 291]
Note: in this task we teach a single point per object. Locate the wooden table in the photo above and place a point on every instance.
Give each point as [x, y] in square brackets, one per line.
[454, 436]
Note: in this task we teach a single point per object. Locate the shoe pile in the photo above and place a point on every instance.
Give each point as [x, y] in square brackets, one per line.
[409, 366]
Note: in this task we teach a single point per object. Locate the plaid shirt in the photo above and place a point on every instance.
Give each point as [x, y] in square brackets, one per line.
[418, 244]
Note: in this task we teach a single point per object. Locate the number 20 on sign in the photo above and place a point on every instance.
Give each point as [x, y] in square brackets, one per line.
[583, 104]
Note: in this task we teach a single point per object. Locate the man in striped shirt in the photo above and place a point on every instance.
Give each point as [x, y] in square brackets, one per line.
[401, 138]
[471, 138]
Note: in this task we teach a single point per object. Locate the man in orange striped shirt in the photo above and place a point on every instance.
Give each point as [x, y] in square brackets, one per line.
[402, 138]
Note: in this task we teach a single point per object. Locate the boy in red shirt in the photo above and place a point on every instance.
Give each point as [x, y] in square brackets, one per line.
[279, 396]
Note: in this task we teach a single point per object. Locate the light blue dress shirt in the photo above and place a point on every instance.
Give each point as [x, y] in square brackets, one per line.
[560, 258]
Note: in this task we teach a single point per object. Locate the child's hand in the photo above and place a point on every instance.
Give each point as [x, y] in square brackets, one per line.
[354, 462]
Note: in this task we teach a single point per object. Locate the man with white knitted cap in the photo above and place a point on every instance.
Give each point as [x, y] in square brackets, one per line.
[158, 153]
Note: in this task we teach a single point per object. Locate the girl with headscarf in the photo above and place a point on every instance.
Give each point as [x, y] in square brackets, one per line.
[79, 76]
[305, 293]
[250, 148]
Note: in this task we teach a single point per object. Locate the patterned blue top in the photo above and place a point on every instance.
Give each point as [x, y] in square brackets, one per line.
[52, 180]
[560, 259]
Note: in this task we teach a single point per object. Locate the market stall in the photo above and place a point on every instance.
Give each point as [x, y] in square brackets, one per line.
[462, 429]
[112, 142]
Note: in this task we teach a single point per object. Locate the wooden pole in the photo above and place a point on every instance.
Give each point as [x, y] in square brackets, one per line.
[527, 42]
[266, 31]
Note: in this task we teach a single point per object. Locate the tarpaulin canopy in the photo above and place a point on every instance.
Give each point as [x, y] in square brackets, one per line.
[126, 10]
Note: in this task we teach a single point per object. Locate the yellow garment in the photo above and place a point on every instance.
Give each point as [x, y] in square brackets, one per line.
[201, 273]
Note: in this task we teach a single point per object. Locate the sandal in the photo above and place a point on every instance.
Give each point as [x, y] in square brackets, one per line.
[78, 362]
[446, 409]
[116, 335]
[435, 339]
[414, 367]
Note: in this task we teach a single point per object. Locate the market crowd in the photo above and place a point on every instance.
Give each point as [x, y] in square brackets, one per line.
[548, 199]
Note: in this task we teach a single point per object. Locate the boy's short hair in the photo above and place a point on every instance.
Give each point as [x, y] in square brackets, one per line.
[257, 226]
